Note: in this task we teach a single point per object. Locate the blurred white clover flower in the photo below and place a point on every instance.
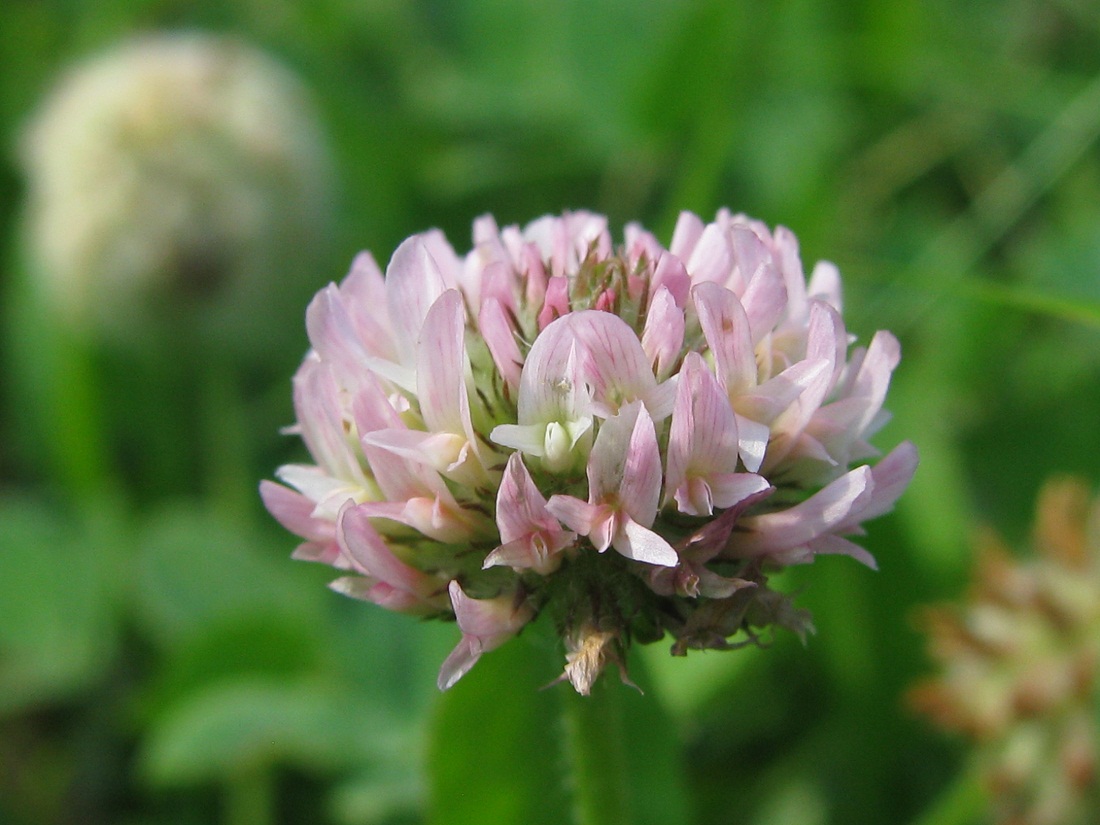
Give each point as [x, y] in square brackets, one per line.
[1018, 665]
[626, 438]
[173, 170]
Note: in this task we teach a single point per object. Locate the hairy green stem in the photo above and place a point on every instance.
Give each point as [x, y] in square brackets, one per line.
[597, 756]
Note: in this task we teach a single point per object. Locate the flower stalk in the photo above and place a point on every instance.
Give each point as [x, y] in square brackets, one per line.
[597, 756]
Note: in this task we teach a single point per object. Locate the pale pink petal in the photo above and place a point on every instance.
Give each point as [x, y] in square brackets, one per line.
[726, 328]
[364, 291]
[362, 545]
[689, 228]
[500, 337]
[485, 624]
[751, 253]
[833, 545]
[530, 535]
[441, 370]
[712, 257]
[787, 257]
[825, 285]
[641, 544]
[873, 378]
[444, 452]
[521, 508]
[498, 282]
[414, 281]
[321, 420]
[669, 273]
[640, 490]
[775, 396]
[795, 527]
[730, 489]
[435, 517]
[367, 589]
[295, 512]
[608, 459]
[327, 493]
[551, 385]
[556, 303]
[752, 442]
[333, 335]
[575, 514]
[539, 552]
[703, 436]
[614, 364]
[441, 366]
[663, 335]
[765, 300]
[891, 476]
[459, 662]
[826, 337]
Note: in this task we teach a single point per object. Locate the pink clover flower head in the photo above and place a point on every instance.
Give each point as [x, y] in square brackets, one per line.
[624, 439]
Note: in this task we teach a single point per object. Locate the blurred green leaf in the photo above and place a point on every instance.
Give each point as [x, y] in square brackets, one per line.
[1074, 310]
[238, 726]
[58, 602]
[196, 569]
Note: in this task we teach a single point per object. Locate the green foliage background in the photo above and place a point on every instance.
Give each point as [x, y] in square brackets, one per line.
[161, 659]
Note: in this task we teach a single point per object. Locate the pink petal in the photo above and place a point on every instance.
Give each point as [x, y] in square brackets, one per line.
[794, 527]
[441, 370]
[614, 364]
[486, 624]
[556, 303]
[322, 421]
[663, 336]
[333, 335]
[775, 396]
[362, 545]
[521, 508]
[669, 273]
[295, 512]
[459, 662]
[435, 517]
[575, 514]
[752, 442]
[493, 621]
[414, 281]
[830, 544]
[364, 293]
[765, 300]
[641, 544]
[726, 327]
[750, 254]
[444, 452]
[826, 337]
[891, 476]
[703, 436]
[689, 228]
[712, 257]
[441, 366]
[640, 490]
[500, 337]
[825, 285]
[785, 246]
[730, 489]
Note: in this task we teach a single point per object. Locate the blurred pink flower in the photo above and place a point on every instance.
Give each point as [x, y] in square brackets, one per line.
[492, 423]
